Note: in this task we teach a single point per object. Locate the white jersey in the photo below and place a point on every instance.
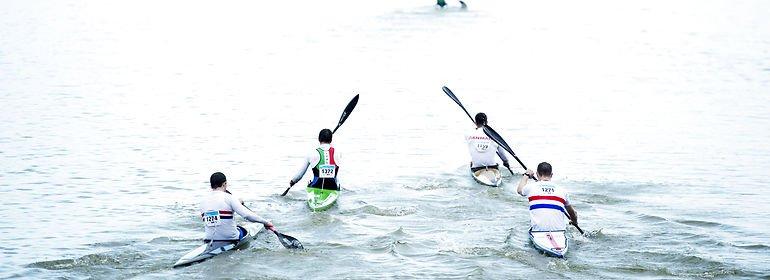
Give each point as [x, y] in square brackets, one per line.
[547, 205]
[313, 158]
[483, 149]
[217, 212]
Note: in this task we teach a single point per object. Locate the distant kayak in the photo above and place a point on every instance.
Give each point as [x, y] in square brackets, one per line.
[213, 249]
[490, 176]
[551, 243]
[321, 199]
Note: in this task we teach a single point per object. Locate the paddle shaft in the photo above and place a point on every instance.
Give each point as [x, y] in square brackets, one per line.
[574, 225]
[281, 236]
[500, 141]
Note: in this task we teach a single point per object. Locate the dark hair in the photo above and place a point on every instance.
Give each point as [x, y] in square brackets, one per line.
[325, 135]
[544, 169]
[481, 119]
[217, 179]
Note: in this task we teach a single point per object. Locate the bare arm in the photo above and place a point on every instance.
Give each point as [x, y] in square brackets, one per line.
[523, 181]
[572, 215]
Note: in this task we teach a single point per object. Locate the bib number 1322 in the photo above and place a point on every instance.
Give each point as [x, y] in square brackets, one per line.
[326, 171]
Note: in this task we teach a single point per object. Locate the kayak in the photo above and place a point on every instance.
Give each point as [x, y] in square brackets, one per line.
[321, 199]
[551, 243]
[212, 249]
[489, 176]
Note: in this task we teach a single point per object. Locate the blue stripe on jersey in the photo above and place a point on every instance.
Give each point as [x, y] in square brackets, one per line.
[547, 206]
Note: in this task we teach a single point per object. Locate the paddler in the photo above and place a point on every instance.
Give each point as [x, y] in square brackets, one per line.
[442, 4]
[325, 163]
[549, 206]
[482, 148]
[217, 211]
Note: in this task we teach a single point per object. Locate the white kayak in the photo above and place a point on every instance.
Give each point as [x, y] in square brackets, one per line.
[490, 176]
[551, 243]
[212, 249]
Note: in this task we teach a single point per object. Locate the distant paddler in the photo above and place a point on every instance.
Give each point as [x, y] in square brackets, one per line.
[482, 148]
[218, 209]
[442, 4]
[549, 205]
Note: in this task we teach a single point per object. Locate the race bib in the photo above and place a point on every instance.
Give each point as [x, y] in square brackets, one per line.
[211, 218]
[482, 146]
[326, 171]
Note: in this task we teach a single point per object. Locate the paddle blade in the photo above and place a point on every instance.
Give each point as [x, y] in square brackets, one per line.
[286, 191]
[498, 139]
[453, 97]
[346, 113]
[288, 241]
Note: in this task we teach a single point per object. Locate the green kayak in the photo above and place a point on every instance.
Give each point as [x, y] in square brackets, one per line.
[320, 199]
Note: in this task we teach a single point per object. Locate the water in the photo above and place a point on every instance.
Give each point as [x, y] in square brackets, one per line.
[654, 115]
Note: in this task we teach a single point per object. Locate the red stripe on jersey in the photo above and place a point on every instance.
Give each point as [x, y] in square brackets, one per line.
[331, 156]
[548, 197]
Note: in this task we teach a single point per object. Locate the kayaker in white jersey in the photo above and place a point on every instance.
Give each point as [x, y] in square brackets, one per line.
[217, 212]
[549, 204]
[482, 148]
[325, 164]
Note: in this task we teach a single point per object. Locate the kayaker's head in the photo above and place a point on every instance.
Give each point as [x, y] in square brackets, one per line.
[217, 180]
[481, 119]
[325, 136]
[544, 171]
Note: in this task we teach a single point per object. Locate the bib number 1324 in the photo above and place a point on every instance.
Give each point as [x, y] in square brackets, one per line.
[211, 218]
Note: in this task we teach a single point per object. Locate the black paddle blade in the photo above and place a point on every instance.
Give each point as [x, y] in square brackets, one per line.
[452, 95]
[346, 113]
[286, 191]
[288, 241]
[498, 139]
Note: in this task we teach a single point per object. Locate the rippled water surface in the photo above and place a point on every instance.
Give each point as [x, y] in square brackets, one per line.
[654, 114]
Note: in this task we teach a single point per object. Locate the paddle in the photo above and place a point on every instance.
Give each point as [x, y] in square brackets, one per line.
[454, 97]
[576, 226]
[497, 138]
[500, 141]
[287, 241]
[345, 114]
